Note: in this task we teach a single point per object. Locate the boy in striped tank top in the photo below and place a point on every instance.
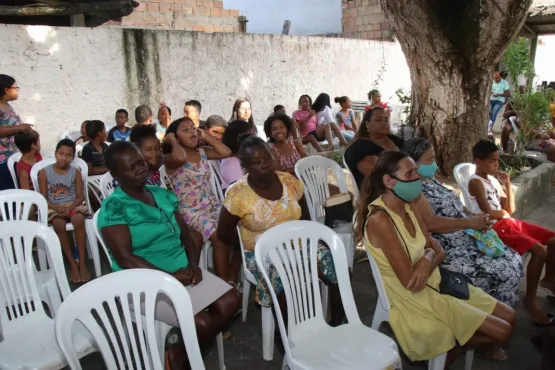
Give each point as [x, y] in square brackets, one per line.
[62, 186]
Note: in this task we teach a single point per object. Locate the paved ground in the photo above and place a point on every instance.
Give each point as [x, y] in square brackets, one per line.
[243, 349]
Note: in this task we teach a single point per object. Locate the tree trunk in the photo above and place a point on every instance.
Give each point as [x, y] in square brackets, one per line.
[451, 49]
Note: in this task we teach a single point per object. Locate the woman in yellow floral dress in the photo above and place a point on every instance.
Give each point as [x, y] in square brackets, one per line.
[261, 200]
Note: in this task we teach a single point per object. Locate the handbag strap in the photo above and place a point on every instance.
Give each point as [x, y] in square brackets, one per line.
[374, 209]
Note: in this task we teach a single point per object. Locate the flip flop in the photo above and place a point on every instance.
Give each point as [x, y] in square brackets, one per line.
[496, 354]
[549, 324]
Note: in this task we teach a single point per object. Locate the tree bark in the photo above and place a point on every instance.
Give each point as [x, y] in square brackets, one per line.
[451, 49]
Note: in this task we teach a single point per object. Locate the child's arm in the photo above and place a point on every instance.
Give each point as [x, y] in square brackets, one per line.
[300, 148]
[79, 191]
[216, 149]
[178, 156]
[43, 189]
[508, 201]
[93, 171]
[477, 190]
[354, 121]
[23, 178]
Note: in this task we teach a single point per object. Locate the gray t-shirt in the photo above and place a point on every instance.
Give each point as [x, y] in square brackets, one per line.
[61, 187]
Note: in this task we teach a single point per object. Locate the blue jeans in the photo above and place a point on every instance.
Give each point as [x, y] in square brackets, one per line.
[494, 108]
[348, 135]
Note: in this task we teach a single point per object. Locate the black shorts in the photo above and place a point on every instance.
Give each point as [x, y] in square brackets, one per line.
[313, 133]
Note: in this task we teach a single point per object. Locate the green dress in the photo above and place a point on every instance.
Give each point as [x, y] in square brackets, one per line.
[155, 234]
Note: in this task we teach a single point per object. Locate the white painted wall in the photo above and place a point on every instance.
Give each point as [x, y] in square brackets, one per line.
[308, 17]
[545, 57]
[68, 75]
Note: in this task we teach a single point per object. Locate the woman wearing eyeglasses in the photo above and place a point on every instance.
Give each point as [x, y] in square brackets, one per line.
[372, 139]
[142, 228]
[10, 123]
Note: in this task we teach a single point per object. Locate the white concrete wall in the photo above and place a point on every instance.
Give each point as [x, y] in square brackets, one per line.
[307, 17]
[545, 57]
[68, 75]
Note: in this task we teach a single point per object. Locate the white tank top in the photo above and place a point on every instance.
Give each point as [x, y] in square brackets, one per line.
[494, 192]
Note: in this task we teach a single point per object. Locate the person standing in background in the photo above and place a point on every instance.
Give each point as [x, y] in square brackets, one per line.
[192, 111]
[500, 90]
[10, 123]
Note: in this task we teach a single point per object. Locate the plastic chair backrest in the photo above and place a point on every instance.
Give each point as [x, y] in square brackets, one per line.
[382, 294]
[73, 135]
[106, 185]
[99, 236]
[353, 181]
[19, 297]
[163, 176]
[462, 173]
[76, 162]
[16, 204]
[215, 183]
[291, 248]
[107, 306]
[14, 158]
[313, 172]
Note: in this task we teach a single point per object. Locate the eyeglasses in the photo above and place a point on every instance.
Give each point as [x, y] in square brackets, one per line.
[14, 87]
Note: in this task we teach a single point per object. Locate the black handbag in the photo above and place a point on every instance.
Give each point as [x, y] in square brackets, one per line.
[338, 207]
[452, 283]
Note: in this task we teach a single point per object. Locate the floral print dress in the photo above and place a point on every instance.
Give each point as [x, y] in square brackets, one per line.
[497, 276]
[8, 118]
[197, 203]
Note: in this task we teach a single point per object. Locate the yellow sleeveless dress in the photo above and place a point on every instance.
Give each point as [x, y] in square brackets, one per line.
[427, 323]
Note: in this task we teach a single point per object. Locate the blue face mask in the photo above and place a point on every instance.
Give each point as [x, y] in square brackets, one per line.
[428, 170]
[407, 190]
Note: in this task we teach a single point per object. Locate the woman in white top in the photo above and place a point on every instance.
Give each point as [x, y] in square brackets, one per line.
[322, 107]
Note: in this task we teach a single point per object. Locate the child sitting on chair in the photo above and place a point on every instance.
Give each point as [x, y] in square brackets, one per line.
[62, 186]
[28, 143]
[488, 197]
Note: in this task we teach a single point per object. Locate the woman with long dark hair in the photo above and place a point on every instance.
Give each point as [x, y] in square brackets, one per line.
[242, 110]
[324, 114]
[10, 123]
[426, 323]
[372, 138]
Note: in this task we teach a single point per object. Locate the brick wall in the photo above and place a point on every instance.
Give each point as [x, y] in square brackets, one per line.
[364, 19]
[190, 15]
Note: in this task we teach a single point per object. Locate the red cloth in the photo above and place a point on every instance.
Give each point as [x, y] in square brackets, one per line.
[22, 166]
[521, 236]
[381, 104]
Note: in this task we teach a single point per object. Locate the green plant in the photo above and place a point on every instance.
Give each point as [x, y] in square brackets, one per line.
[532, 106]
[404, 98]
[337, 156]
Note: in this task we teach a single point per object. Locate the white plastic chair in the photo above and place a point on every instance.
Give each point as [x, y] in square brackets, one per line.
[29, 339]
[353, 181]
[310, 343]
[462, 173]
[14, 158]
[16, 205]
[73, 135]
[106, 185]
[164, 176]
[91, 238]
[381, 314]
[314, 172]
[161, 327]
[268, 324]
[106, 307]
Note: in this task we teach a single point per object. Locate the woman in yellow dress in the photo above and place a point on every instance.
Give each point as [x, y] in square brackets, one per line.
[425, 322]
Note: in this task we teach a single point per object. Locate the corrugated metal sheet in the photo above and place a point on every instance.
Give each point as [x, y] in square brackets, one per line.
[541, 18]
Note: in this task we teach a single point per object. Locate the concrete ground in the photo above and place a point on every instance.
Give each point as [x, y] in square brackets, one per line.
[244, 349]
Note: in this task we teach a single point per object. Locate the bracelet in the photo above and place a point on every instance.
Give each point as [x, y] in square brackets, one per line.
[430, 249]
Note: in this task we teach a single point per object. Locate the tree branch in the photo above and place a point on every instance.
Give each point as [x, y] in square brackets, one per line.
[125, 7]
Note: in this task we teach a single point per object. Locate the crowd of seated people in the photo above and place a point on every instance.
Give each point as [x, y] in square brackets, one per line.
[423, 227]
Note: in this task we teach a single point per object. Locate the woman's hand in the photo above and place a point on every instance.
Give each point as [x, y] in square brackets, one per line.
[185, 276]
[481, 222]
[420, 274]
[169, 138]
[197, 275]
[24, 126]
[201, 134]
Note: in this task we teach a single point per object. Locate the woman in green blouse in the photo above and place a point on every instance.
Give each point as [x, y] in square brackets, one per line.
[143, 228]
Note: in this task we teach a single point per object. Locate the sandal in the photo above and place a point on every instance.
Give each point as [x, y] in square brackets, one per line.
[496, 354]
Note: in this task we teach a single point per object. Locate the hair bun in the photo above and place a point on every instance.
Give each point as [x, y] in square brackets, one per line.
[337, 99]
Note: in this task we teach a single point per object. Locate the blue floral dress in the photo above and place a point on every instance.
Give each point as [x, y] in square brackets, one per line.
[497, 276]
[197, 203]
